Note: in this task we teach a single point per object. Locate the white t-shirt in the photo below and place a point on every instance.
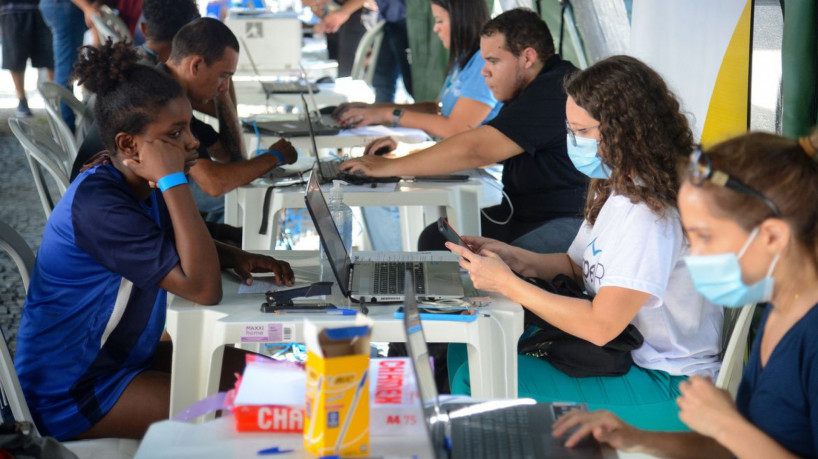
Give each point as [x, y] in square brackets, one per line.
[632, 247]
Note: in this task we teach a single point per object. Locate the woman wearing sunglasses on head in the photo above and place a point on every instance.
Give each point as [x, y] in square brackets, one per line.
[748, 206]
[625, 131]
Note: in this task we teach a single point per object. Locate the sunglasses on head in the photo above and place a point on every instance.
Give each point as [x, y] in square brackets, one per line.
[701, 170]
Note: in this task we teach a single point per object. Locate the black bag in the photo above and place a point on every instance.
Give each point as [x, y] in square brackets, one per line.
[575, 356]
[19, 440]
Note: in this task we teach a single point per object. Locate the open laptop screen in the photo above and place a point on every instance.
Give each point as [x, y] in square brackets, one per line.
[418, 350]
[330, 237]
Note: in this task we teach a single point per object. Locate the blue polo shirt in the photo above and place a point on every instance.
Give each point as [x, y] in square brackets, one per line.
[94, 312]
[781, 399]
[469, 83]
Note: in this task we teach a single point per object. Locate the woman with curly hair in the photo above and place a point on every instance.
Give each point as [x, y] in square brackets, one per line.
[125, 233]
[625, 131]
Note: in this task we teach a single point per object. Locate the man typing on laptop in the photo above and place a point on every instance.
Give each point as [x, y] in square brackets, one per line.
[545, 193]
[204, 56]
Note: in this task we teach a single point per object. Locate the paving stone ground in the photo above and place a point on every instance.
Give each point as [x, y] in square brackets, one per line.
[19, 203]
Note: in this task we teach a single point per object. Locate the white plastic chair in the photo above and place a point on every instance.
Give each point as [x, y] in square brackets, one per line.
[43, 154]
[736, 329]
[371, 40]
[53, 94]
[109, 25]
[12, 401]
[13, 406]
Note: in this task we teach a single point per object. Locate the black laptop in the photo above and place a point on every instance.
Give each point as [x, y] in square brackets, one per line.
[512, 428]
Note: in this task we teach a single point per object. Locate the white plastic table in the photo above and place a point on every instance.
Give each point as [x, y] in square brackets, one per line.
[200, 332]
[218, 439]
[419, 204]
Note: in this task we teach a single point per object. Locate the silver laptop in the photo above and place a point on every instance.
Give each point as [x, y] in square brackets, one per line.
[514, 428]
[377, 281]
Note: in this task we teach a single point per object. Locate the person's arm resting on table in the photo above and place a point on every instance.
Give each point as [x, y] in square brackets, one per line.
[216, 179]
[246, 263]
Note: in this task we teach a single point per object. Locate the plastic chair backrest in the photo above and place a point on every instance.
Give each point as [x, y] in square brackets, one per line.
[54, 94]
[42, 153]
[736, 328]
[13, 406]
[371, 40]
[109, 25]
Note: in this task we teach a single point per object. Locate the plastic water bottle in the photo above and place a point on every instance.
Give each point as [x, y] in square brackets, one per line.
[342, 217]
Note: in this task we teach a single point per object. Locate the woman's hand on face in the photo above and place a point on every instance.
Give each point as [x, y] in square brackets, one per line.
[387, 144]
[246, 263]
[364, 116]
[705, 408]
[603, 425]
[370, 165]
[157, 158]
[487, 271]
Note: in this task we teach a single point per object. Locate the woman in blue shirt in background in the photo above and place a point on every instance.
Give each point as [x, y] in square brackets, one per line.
[464, 102]
[748, 207]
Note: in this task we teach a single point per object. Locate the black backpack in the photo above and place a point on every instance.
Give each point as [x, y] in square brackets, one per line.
[575, 356]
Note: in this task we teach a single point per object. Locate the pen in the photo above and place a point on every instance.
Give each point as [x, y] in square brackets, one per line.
[350, 412]
[274, 450]
[314, 410]
[331, 312]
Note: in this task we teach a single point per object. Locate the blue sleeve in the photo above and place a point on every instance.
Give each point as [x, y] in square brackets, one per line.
[811, 387]
[473, 85]
[111, 226]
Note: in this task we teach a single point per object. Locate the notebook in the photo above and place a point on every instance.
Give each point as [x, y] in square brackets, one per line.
[377, 281]
[518, 428]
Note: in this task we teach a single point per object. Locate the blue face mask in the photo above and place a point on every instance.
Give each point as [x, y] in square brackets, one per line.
[718, 278]
[585, 159]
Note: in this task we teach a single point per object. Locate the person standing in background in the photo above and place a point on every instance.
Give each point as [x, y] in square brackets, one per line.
[25, 36]
[393, 59]
[341, 22]
[68, 21]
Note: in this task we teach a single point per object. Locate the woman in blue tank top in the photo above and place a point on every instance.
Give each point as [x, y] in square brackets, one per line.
[464, 102]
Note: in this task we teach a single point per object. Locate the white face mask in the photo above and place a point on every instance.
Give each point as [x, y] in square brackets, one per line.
[718, 278]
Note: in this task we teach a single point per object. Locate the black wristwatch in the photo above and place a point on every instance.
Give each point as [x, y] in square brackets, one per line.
[396, 114]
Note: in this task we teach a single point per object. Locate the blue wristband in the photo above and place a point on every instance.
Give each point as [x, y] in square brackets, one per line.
[171, 180]
[278, 155]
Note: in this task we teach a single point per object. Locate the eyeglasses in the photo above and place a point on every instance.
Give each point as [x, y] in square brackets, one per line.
[701, 169]
[572, 133]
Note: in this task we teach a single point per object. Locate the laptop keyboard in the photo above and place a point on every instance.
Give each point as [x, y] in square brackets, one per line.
[388, 279]
[492, 434]
[329, 169]
[287, 87]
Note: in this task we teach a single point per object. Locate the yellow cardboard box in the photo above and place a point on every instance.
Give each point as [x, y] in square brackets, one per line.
[337, 409]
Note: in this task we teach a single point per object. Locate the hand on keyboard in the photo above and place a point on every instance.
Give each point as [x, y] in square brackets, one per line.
[371, 165]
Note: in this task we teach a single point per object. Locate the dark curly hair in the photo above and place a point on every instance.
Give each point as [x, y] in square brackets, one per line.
[522, 29]
[163, 18]
[129, 95]
[466, 19]
[643, 135]
[781, 169]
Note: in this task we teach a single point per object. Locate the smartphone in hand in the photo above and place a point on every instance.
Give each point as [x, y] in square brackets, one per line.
[450, 234]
